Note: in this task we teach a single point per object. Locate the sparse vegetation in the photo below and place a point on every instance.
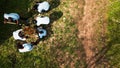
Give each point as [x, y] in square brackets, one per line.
[114, 34]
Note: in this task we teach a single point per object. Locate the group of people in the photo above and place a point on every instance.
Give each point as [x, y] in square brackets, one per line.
[38, 32]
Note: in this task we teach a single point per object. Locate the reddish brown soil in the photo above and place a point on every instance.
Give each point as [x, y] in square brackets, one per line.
[88, 26]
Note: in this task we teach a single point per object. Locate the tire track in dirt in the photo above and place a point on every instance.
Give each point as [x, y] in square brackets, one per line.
[87, 28]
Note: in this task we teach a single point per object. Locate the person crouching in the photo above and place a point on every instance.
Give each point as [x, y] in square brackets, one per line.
[11, 18]
[23, 46]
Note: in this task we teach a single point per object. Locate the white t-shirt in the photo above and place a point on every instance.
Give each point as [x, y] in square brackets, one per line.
[42, 20]
[42, 34]
[15, 16]
[43, 6]
[16, 36]
[27, 47]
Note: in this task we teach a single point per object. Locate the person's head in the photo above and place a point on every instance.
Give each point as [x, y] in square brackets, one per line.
[21, 34]
[43, 11]
[19, 44]
[35, 7]
[34, 21]
[10, 19]
[41, 32]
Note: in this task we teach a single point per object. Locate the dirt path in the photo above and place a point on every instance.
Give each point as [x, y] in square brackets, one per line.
[88, 27]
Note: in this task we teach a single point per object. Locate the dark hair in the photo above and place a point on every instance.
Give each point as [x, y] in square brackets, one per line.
[43, 10]
[40, 32]
[36, 42]
[35, 7]
[10, 19]
[34, 21]
[19, 44]
[21, 34]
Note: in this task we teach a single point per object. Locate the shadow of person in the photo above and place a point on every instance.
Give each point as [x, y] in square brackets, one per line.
[54, 4]
[56, 15]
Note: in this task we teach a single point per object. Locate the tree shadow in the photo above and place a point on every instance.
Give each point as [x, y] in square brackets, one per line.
[9, 6]
[6, 31]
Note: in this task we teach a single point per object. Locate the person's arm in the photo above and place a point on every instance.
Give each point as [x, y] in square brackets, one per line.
[5, 21]
[16, 21]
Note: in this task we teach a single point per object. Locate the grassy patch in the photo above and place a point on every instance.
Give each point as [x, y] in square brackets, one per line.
[114, 34]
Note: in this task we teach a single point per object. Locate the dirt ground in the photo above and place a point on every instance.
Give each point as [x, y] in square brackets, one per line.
[93, 12]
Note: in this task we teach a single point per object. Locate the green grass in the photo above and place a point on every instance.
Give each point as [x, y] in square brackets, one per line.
[57, 49]
[113, 54]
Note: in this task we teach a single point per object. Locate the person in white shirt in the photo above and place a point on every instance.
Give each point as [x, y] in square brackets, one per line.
[24, 46]
[19, 35]
[42, 20]
[11, 17]
[41, 6]
[41, 32]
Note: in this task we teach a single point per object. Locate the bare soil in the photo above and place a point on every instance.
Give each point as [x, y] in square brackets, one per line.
[93, 12]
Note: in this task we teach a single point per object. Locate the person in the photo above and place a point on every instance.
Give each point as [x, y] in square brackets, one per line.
[41, 6]
[23, 46]
[19, 35]
[11, 17]
[42, 20]
[41, 32]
